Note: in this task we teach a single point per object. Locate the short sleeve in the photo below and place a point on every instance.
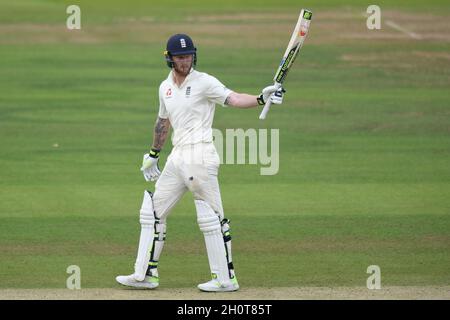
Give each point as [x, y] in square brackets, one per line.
[217, 92]
[162, 108]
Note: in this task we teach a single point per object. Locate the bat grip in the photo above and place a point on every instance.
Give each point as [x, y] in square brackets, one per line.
[265, 110]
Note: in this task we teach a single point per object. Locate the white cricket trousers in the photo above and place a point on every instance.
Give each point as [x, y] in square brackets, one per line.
[192, 167]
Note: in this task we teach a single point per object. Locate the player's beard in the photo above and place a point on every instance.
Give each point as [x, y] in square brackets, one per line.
[183, 68]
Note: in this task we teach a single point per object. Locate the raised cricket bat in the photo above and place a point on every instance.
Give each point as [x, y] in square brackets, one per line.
[294, 46]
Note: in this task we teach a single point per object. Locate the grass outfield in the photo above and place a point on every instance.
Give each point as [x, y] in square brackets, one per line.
[364, 174]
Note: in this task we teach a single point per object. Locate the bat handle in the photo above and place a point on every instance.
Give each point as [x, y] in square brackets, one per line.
[265, 110]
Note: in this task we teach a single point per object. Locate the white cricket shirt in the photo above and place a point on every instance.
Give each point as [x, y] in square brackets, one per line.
[190, 107]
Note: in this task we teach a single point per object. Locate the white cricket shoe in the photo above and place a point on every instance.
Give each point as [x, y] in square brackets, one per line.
[215, 286]
[130, 281]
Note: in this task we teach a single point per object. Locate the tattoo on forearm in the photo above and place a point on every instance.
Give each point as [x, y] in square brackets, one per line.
[162, 127]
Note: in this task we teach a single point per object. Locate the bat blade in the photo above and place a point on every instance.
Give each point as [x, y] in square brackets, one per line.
[297, 39]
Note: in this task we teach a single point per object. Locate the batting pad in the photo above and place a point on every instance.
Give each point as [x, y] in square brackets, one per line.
[147, 220]
[209, 224]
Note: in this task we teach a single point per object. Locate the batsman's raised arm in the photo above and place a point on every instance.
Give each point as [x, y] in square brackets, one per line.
[241, 100]
[244, 100]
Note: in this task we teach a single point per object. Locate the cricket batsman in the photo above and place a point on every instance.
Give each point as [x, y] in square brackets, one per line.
[187, 100]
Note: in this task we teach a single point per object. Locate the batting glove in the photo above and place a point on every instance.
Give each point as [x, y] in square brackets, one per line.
[277, 96]
[150, 167]
[269, 93]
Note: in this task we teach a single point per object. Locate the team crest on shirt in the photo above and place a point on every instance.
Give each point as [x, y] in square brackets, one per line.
[188, 92]
[169, 93]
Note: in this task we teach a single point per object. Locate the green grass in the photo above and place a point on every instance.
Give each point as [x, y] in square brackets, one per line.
[319, 250]
[364, 174]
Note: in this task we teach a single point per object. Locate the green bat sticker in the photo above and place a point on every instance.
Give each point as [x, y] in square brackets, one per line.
[307, 15]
